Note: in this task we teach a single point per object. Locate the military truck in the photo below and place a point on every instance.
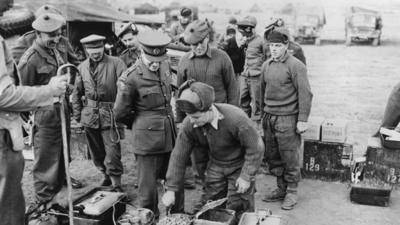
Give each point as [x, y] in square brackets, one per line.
[363, 25]
[304, 22]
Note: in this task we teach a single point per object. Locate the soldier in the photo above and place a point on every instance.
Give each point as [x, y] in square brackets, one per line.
[37, 66]
[255, 56]
[93, 100]
[128, 35]
[286, 106]
[15, 99]
[178, 28]
[208, 65]
[235, 148]
[145, 88]
[26, 40]
[294, 48]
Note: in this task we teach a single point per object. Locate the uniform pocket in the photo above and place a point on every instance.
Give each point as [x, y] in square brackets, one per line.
[153, 96]
[149, 134]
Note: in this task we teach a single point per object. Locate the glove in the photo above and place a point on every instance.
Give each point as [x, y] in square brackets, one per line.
[168, 199]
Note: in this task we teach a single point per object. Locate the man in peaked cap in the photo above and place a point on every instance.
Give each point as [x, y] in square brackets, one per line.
[146, 89]
[128, 36]
[15, 99]
[286, 105]
[178, 28]
[37, 66]
[235, 148]
[27, 39]
[255, 48]
[93, 100]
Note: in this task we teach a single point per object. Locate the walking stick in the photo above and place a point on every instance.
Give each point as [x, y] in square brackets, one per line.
[65, 146]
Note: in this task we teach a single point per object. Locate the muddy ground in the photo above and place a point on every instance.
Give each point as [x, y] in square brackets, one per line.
[348, 83]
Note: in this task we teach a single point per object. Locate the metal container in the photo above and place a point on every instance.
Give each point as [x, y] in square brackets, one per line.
[216, 216]
[261, 217]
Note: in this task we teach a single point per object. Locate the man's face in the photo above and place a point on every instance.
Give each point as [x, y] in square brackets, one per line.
[50, 40]
[185, 19]
[95, 54]
[200, 48]
[246, 31]
[277, 49]
[129, 40]
[199, 119]
[153, 66]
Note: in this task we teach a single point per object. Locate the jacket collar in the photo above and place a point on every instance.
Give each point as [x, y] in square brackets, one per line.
[146, 73]
[45, 53]
[282, 59]
[208, 53]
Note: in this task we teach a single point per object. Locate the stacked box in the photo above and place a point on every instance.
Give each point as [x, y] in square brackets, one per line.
[334, 130]
[314, 129]
[327, 161]
[381, 163]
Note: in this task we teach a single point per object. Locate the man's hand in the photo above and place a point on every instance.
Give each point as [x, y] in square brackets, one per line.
[58, 85]
[301, 127]
[242, 185]
[168, 199]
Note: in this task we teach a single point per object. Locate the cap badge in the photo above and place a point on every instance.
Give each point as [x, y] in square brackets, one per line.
[156, 51]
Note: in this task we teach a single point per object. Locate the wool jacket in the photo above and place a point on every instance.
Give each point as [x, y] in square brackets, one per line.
[285, 87]
[235, 142]
[215, 69]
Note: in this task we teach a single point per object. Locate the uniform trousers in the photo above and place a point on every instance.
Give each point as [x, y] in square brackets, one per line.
[282, 144]
[249, 96]
[12, 202]
[106, 154]
[220, 182]
[150, 168]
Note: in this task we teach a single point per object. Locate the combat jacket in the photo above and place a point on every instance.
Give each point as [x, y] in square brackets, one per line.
[148, 94]
[94, 93]
[17, 98]
[27, 40]
[255, 56]
[37, 66]
[129, 56]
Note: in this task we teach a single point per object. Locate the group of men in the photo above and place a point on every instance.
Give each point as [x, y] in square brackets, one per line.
[215, 106]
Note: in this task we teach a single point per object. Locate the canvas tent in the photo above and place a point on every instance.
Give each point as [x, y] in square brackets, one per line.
[85, 18]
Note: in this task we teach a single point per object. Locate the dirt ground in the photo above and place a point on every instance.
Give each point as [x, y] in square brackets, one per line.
[348, 82]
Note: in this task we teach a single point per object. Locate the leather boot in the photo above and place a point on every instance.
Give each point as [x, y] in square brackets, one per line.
[106, 181]
[291, 197]
[279, 193]
[116, 183]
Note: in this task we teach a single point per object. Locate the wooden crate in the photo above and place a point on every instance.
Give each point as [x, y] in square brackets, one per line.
[381, 163]
[327, 161]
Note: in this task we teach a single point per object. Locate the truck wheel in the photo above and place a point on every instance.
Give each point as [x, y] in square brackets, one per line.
[375, 42]
[348, 40]
[17, 20]
[317, 41]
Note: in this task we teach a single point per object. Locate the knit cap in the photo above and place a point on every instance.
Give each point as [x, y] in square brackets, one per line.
[195, 97]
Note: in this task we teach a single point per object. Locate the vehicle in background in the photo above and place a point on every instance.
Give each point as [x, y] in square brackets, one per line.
[363, 25]
[304, 22]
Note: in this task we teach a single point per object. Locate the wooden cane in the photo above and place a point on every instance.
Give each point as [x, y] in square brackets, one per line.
[65, 148]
